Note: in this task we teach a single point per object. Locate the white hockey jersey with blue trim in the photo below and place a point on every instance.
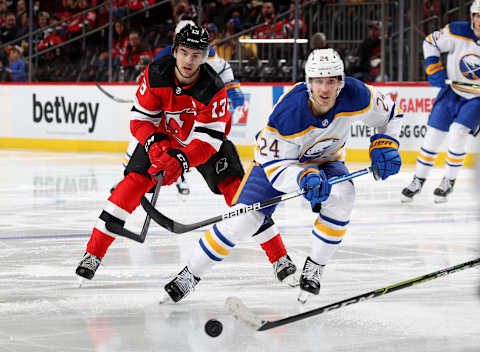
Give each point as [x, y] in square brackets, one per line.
[463, 58]
[294, 137]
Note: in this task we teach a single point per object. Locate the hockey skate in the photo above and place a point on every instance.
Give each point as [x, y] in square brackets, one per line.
[180, 286]
[284, 270]
[182, 186]
[414, 188]
[310, 280]
[443, 190]
[87, 267]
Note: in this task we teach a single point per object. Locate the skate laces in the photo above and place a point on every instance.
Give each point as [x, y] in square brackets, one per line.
[91, 262]
[312, 272]
[445, 185]
[282, 263]
[415, 184]
[185, 281]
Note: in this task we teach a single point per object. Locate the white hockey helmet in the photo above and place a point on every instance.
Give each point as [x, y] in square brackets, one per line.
[324, 63]
[474, 8]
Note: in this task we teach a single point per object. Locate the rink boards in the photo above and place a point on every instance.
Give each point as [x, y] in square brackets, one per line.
[78, 117]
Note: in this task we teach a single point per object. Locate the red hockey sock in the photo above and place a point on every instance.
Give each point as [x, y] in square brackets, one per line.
[130, 190]
[99, 243]
[274, 248]
[229, 187]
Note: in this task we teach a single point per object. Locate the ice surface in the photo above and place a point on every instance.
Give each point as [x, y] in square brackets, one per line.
[50, 201]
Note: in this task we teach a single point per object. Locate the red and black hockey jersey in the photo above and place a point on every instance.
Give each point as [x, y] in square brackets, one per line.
[195, 117]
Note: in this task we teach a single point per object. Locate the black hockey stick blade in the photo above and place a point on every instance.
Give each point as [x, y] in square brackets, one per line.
[177, 227]
[236, 307]
[111, 96]
[122, 231]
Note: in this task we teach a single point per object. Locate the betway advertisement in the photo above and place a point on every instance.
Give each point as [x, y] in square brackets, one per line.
[68, 112]
[82, 112]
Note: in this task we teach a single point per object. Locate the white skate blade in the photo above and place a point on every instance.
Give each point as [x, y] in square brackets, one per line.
[291, 280]
[304, 296]
[81, 280]
[164, 298]
[406, 199]
[439, 200]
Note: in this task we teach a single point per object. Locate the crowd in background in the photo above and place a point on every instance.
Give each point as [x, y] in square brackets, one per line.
[138, 38]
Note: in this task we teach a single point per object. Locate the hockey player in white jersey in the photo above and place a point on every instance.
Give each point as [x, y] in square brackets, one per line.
[301, 147]
[456, 111]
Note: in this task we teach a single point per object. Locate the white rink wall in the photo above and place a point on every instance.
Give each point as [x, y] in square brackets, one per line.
[80, 117]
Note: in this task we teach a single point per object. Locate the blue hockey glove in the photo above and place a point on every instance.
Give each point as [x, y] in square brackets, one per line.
[384, 153]
[315, 183]
[435, 72]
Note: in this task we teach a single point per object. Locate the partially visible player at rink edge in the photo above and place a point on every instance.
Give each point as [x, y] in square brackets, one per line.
[300, 148]
[456, 111]
[181, 120]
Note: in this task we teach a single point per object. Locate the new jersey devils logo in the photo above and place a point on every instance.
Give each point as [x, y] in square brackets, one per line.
[179, 124]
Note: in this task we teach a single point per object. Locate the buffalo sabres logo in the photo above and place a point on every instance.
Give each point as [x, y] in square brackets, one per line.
[325, 123]
[221, 165]
[178, 124]
[318, 148]
[469, 65]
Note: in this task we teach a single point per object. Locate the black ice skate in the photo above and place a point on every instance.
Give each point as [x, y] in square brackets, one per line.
[443, 190]
[284, 270]
[414, 188]
[88, 266]
[310, 280]
[180, 286]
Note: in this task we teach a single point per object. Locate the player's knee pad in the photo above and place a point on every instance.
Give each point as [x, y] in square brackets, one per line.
[339, 204]
[433, 139]
[225, 163]
[241, 227]
[458, 137]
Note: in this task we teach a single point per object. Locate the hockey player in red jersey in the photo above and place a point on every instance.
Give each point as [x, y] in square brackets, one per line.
[180, 119]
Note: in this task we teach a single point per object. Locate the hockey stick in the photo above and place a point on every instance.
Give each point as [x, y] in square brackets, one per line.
[177, 227]
[458, 83]
[122, 231]
[111, 96]
[236, 307]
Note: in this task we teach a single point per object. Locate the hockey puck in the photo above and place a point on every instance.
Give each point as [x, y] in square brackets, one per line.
[213, 328]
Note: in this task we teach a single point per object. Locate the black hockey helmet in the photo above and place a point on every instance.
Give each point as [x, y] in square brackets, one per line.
[193, 37]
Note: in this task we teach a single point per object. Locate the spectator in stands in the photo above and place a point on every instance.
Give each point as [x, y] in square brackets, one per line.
[136, 56]
[318, 40]
[66, 9]
[16, 69]
[3, 12]
[184, 11]
[9, 31]
[368, 69]
[289, 23]
[120, 42]
[228, 49]
[20, 10]
[270, 28]
[82, 21]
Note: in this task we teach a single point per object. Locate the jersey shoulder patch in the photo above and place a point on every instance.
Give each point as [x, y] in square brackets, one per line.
[354, 96]
[208, 85]
[461, 29]
[291, 114]
[161, 72]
